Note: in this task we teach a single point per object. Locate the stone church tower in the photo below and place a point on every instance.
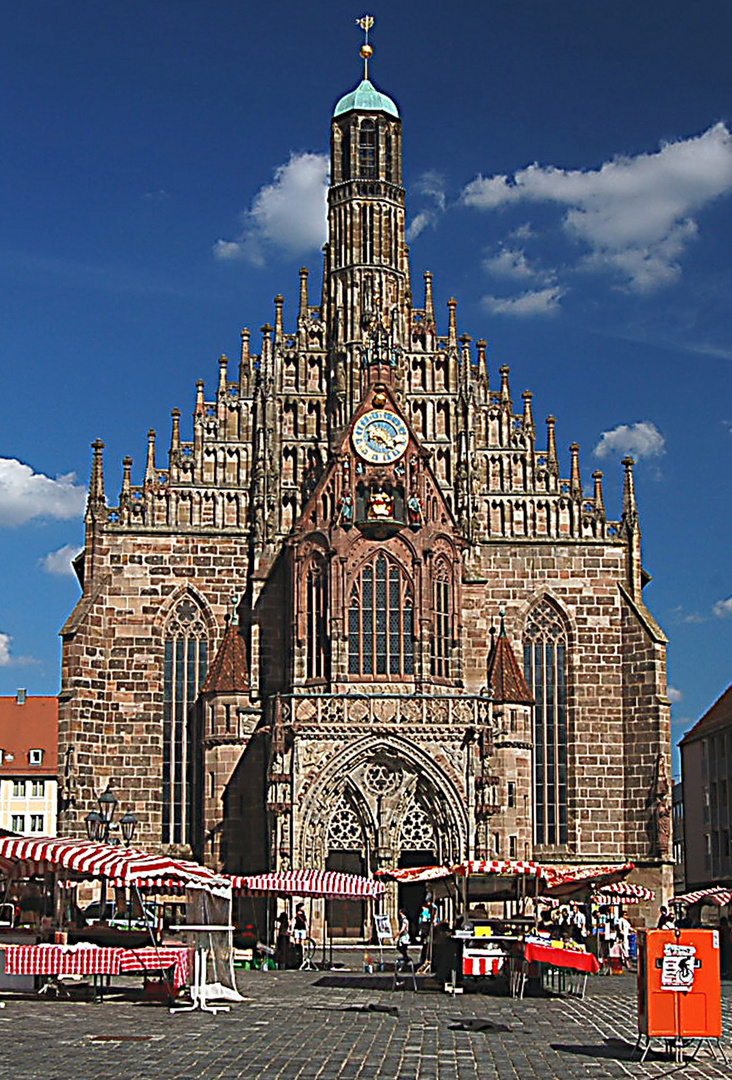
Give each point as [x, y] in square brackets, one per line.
[361, 619]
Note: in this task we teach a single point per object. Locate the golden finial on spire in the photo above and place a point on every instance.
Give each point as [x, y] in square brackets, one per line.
[366, 22]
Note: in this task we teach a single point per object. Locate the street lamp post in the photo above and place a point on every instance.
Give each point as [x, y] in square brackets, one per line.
[100, 824]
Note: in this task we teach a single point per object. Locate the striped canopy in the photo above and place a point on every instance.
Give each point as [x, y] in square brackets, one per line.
[625, 890]
[317, 883]
[412, 874]
[508, 867]
[567, 880]
[714, 896]
[23, 857]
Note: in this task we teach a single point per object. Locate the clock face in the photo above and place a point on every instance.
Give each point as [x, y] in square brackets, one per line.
[380, 436]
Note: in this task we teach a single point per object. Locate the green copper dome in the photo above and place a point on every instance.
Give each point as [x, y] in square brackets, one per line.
[366, 98]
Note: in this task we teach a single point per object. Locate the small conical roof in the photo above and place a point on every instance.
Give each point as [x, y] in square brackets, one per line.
[228, 673]
[366, 98]
[505, 677]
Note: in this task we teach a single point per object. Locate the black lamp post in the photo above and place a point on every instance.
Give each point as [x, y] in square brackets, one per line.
[100, 823]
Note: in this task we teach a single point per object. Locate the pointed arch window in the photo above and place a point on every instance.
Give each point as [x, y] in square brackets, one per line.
[186, 659]
[388, 157]
[367, 150]
[545, 668]
[381, 621]
[442, 633]
[317, 618]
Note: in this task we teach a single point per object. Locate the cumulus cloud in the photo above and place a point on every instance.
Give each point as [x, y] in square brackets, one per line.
[59, 561]
[5, 657]
[641, 440]
[430, 187]
[288, 214]
[674, 694]
[513, 264]
[723, 608]
[25, 494]
[634, 215]
[527, 304]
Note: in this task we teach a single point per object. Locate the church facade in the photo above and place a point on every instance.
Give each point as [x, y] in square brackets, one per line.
[362, 618]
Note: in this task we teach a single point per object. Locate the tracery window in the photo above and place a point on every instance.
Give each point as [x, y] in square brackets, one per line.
[388, 162]
[545, 668]
[317, 618]
[344, 830]
[186, 656]
[381, 621]
[442, 634]
[367, 150]
[417, 832]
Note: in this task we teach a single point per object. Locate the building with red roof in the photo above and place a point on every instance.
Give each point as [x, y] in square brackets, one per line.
[28, 764]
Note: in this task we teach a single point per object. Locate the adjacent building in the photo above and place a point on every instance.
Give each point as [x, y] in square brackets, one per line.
[706, 766]
[367, 614]
[28, 764]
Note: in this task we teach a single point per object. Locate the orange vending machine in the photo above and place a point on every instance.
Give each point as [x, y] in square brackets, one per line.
[679, 984]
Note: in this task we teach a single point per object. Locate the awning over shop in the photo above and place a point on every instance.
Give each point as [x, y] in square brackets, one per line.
[23, 857]
[316, 883]
[569, 880]
[626, 891]
[413, 875]
[714, 896]
[508, 867]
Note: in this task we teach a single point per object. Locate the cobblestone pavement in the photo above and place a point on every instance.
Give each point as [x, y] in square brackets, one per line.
[341, 1026]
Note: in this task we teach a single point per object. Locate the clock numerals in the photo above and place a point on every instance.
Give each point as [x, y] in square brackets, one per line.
[380, 437]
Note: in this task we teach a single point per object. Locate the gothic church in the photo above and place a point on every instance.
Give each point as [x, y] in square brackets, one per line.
[362, 619]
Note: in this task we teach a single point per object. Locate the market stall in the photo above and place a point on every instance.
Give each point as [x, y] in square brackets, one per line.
[311, 885]
[57, 865]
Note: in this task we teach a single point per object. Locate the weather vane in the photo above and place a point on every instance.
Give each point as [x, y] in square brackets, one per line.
[366, 22]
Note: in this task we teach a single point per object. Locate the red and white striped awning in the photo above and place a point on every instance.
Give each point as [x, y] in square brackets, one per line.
[506, 867]
[414, 874]
[328, 884]
[24, 857]
[567, 880]
[715, 896]
[625, 890]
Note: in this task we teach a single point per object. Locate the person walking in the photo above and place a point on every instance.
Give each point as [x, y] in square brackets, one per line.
[300, 932]
[403, 938]
[425, 931]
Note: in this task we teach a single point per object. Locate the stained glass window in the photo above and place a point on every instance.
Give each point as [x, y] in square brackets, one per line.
[381, 621]
[545, 668]
[186, 655]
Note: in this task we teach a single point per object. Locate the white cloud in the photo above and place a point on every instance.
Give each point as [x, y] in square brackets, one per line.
[431, 186]
[642, 440]
[528, 304]
[5, 657]
[59, 561]
[289, 213]
[674, 694]
[25, 494]
[512, 263]
[633, 213]
[723, 608]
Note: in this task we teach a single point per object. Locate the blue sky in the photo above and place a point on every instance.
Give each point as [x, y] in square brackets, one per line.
[569, 177]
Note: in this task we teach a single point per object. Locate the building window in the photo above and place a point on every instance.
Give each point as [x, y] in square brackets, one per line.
[317, 616]
[442, 639]
[367, 150]
[186, 653]
[389, 163]
[545, 668]
[381, 621]
[511, 794]
[17, 822]
[36, 823]
[38, 789]
[346, 156]
[512, 845]
[18, 789]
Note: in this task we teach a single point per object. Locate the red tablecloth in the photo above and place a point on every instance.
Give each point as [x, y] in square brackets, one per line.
[95, 960]
[565, 958]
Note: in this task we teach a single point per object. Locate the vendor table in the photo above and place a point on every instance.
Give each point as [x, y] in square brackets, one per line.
[96, 960]
[563, 970]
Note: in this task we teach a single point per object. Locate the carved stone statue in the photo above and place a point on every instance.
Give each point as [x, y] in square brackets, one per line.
[658, 805]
